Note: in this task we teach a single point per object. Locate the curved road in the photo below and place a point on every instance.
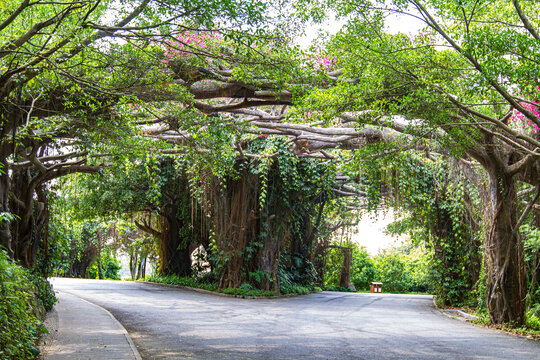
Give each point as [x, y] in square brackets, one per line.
[167, 323]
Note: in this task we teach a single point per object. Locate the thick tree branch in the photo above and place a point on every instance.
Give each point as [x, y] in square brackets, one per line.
[525, 20]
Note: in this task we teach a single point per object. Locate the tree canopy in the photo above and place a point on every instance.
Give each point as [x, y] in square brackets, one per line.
[208, 114]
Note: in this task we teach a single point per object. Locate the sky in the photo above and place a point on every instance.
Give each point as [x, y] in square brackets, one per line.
[371, 232]
[394, 24]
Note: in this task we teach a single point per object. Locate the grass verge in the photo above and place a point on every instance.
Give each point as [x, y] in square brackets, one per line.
[242, 291]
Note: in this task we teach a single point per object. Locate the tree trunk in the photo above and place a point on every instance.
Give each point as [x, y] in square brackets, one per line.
[41, 226]
[505, 270]
[345, 278]
[143, 267]
[268, 257]
[23, 228]
[236, 224]
[139, 269]
[133, 263]
[174, 252]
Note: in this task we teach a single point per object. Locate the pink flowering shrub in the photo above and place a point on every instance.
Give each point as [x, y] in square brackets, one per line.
[319, 62]
[190, 44]
[325, 62]
[520, 121]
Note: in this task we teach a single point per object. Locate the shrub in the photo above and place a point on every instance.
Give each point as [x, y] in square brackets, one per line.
[291, 281]
[299, 289]
[400, 272]
[19, 301]
[243, 292]
[533, 321]
[44, 293]
[363, 270]
[105, 267]
[182, 281]
[338, 288]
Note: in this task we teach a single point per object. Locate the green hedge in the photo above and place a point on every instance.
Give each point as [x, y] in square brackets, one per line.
[23, 299]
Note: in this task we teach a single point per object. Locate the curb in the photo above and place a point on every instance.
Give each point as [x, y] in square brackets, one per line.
[208, 292]
[469, 317]
[126, 334]
[447, 312]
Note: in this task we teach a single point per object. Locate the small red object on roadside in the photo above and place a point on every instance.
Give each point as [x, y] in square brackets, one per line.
[376, 287]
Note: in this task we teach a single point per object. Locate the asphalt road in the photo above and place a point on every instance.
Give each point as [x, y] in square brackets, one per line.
[167, 323]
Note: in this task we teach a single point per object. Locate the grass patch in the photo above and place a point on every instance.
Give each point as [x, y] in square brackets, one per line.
[182, 281]
[299, 289]
[338, 288]
[244, 292]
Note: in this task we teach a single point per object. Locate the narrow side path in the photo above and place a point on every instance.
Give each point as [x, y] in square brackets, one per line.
[82, 330]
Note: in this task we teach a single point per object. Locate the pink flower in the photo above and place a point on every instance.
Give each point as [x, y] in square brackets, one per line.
[520, 121]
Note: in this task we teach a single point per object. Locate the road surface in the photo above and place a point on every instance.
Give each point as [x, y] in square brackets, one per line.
[167, 323]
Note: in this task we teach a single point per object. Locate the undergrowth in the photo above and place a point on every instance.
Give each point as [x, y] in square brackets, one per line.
[244, 290]
[182, 281]
[24, 299]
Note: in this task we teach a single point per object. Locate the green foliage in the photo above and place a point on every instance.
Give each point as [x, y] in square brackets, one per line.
[106, 266]
[531, 246]
[44, 293]
[243, 292]
[207, 282]
[298, 289]
[393, 272]
[20, 305]
[75, 244]
[442, 212]
[337, 288]
[292, 281]
[363, 270]
[401, 272]
[183, 281]
[7, 216]
[533, 318]
[259, 276]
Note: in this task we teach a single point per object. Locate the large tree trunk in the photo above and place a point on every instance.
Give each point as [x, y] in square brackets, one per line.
[268, 257]
[505, 270]
[23, 228]
[174, 251]
[236, 223]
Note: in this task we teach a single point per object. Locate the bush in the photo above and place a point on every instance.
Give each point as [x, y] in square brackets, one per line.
[182, 281]
[44, 294]
[19, 304]
[243, 292]
[299, 289]
[105, 267]
[533, 320]
[338, 288]
[363, 270]
[400, 272]
[291, 282]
